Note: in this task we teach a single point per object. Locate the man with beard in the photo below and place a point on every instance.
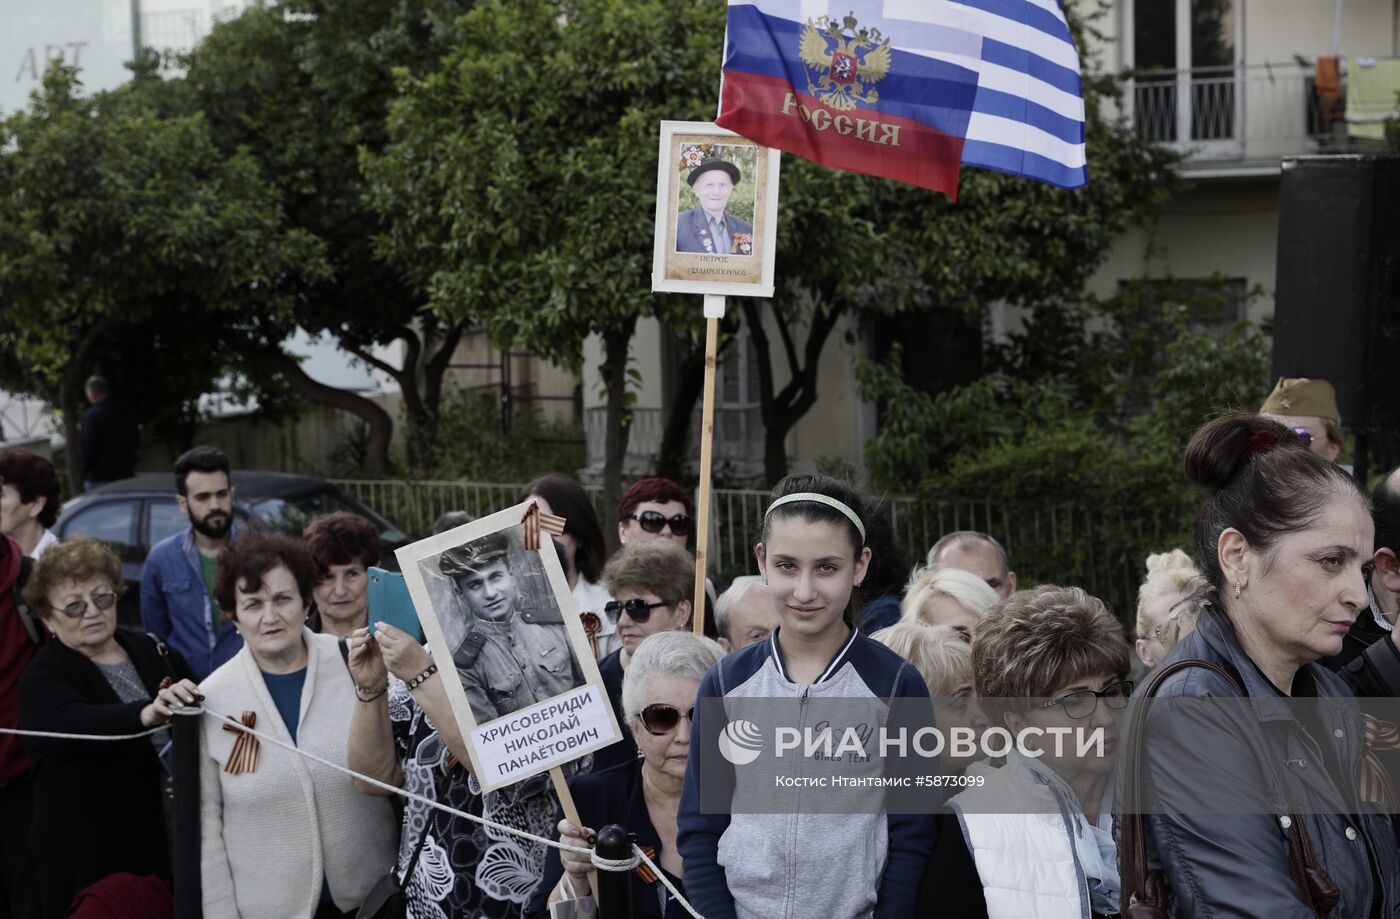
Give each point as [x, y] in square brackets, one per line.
[510, 657]
[177, 584]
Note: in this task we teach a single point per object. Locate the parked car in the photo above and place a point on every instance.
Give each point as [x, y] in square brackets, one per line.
[133, 515]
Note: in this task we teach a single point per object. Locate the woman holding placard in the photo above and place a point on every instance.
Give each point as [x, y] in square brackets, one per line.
[767, 862]
[658, 696]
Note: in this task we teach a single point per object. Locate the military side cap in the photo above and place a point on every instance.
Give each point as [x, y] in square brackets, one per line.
[473, 556]
[711, 164]
[1301, 396]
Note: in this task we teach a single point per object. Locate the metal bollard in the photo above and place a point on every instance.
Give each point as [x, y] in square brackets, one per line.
[614, 887]
[184, 729]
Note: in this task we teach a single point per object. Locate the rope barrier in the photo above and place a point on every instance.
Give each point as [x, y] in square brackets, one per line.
[638, 855]
[54, 735]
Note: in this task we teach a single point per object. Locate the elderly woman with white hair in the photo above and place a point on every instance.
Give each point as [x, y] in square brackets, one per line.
[947, 596]
[658, 700]
[1163, 615]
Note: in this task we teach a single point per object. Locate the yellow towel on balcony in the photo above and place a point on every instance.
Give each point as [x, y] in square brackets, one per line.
[1371, 95]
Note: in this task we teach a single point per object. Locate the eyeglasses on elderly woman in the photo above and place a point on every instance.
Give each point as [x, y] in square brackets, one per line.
[660, 718]
[103, 598]
[1082, 702]
[637, 609]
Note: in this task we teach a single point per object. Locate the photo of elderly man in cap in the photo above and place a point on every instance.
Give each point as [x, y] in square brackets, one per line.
[708, 228]
[514, 653]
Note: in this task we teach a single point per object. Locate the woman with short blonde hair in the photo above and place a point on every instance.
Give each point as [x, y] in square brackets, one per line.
[947, 596]
[1160, 622]
[941, 654]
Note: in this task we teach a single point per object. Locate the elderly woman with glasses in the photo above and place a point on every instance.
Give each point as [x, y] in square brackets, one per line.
[642, 795]
[1036, 837]
[650, 582]
[98, 805]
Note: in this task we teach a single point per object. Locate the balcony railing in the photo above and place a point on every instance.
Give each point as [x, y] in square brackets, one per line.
[1259, 112]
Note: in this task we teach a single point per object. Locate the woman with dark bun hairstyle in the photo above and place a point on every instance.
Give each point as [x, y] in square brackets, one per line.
[1255, 809]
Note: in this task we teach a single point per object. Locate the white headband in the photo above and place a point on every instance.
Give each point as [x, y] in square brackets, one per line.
[820, 499]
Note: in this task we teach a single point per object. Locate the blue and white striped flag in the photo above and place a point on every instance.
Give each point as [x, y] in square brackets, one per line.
[909, 89]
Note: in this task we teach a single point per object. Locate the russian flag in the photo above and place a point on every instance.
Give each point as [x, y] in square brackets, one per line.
[909, 89]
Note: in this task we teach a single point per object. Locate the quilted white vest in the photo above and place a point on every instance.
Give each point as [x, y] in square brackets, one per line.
[1026, 861]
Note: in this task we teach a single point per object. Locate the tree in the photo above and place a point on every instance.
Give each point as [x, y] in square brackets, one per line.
[886, 248]
[129, 241]
[517, 189]
[304, 87]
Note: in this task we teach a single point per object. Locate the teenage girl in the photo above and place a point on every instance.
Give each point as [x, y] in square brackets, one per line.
[812, 556]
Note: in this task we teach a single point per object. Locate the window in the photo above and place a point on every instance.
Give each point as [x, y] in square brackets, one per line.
[1185, 58]
[111, 522]
[163, 519]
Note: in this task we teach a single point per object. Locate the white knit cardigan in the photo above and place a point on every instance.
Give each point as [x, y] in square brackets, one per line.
[271, 835]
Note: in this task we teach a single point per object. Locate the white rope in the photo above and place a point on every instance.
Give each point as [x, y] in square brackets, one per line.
[54, 735]
[637, 853]
[602, 863]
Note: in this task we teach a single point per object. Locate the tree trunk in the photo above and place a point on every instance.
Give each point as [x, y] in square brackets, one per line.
[72, 410]
[675, 439]
[381, 426]
[782, 409]
[615, 344]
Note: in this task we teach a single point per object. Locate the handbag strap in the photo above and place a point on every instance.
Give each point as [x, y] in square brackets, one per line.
[427, 825]
[1139, 886]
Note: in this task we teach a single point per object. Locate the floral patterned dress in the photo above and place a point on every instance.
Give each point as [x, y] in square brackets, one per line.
[466, 870]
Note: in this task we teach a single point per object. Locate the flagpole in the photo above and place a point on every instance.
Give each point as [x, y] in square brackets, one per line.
[714, 311]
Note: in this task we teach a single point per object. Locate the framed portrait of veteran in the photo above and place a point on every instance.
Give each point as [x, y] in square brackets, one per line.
[510, 648]
[716, 212]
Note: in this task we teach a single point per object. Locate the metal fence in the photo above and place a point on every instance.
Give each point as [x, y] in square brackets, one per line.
[1098, 549]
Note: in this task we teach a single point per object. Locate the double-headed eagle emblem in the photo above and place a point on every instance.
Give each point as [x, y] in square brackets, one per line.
[845, 62]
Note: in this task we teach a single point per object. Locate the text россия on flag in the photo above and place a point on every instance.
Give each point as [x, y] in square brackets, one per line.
[909, 89]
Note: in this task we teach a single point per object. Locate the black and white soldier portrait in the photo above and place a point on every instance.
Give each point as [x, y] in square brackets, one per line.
[510, 647]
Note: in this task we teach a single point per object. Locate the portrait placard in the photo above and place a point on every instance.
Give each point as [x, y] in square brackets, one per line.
[510, 648]
[716, 212]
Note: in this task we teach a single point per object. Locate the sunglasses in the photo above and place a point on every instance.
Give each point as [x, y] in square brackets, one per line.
[655, 521]
[1304, 435]
[637, 609]
[1081, 704]
[660, 718]
[103, 600]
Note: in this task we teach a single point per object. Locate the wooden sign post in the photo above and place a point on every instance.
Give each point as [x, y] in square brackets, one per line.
[714, 312]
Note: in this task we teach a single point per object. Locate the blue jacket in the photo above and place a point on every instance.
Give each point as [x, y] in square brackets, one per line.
[692, 234]
[803, 862]
[1220, 862]
[175, 605]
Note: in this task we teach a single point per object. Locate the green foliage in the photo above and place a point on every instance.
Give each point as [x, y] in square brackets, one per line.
[129, 242]
[1081, 424]
[533, 214]
[1085, 397]
[471, 444]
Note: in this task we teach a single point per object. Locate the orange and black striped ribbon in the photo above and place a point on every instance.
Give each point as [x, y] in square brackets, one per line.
[643, 869]
[1374, 780]
[244, 757]
[534, 521]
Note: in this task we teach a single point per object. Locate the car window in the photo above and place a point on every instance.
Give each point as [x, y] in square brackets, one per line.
[112, 522]
[163, 518]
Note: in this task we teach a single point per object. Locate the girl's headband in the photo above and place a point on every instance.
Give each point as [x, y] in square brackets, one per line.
[820, 499]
